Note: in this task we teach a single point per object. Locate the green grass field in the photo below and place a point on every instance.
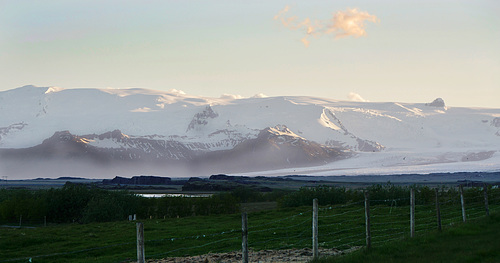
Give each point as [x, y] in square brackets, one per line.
[116, 241]
[340, 226]
[475, 241]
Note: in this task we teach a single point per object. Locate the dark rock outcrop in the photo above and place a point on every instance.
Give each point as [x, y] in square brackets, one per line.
[495, 122]
[201, 119]
[439, 102]
[139, 180]
[16, 126]
[224, 177]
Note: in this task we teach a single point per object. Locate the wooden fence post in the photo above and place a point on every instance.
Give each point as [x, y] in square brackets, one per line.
[485, 190]
[367, 221]
[141, 257]
[462, 201]
[244, 237]
[438, 210]
[20, 220]
[315, 229]
[45, 221]
[412, 212]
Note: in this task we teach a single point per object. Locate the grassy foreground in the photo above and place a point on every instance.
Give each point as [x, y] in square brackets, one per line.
[116, 241]
[475, 241]
[341, 226]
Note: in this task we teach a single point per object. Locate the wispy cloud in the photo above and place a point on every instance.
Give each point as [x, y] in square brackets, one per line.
[259, 95]
[282, 12]
[350, 22]
[356, 97]
[231, 96]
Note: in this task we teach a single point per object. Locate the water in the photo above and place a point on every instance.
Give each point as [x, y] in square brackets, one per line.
[174, 195]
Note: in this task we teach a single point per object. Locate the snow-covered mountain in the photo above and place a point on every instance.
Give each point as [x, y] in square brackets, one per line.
[50, 132]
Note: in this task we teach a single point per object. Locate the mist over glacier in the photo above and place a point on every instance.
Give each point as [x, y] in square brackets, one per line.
[100, 133]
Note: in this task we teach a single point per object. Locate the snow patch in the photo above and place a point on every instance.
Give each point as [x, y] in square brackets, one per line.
[375, 113]
[325, 121]
[282, 130]
[108, 143]
[53, 89]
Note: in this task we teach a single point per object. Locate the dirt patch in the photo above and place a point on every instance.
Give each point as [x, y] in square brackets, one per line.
[262, 256]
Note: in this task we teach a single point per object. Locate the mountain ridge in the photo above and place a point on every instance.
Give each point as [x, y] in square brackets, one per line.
[221, 134]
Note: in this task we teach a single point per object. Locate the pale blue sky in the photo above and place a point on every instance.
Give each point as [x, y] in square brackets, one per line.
[419, 50]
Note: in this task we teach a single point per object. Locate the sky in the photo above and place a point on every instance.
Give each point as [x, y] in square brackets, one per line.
[399, 51]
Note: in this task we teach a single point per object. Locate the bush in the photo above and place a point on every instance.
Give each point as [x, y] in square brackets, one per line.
[16, 203]
[387, 194]
[246, 194]
[187, 206]
[85, 204]
[326, 195]
[103, 210]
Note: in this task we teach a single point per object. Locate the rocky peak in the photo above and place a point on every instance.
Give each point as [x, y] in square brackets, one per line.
[280, 130]
[201, 119]
[116, 134]
[64, 136]
[439, 102]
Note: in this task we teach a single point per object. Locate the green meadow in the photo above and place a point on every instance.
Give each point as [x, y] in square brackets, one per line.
[276, 225]
[475, 241]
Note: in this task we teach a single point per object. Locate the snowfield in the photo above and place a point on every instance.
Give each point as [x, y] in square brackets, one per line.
[380, 137]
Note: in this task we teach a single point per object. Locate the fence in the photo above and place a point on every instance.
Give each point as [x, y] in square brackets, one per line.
[26, 222]
[342, 227]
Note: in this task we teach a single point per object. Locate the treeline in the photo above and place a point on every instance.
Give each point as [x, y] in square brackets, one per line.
[85, 204]
[379, 194]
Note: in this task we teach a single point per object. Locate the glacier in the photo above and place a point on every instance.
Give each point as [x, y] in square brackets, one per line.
[52, 132]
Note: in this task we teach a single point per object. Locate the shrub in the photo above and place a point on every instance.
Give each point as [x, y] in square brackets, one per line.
[326, 195]
[101, 209]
